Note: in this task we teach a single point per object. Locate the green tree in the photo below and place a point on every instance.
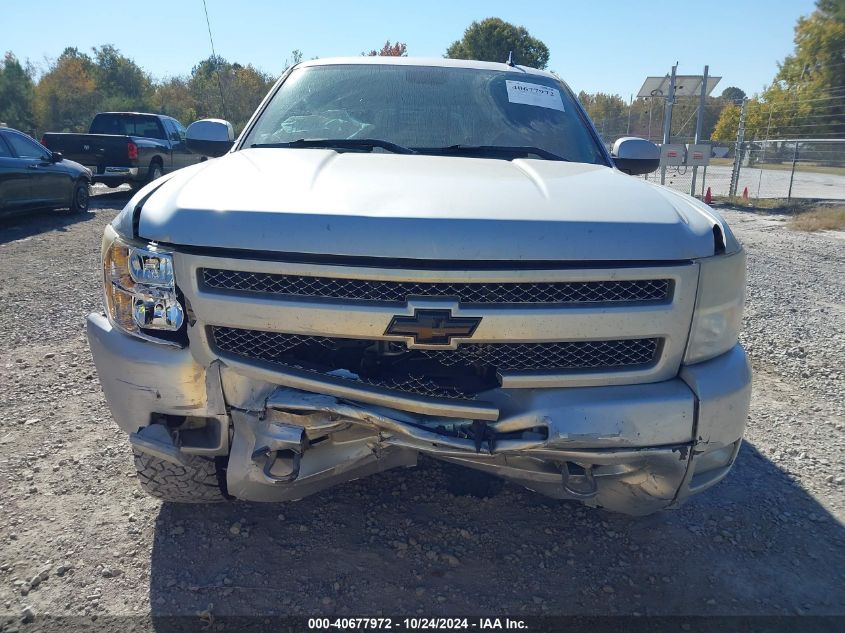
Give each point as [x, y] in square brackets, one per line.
[121, 83]
[732, 93]
[493, 39]
[399, 49]
[807, 97]
[16, 94]
[608, 112]
[242, 89]
[173, 97]
[807, 93]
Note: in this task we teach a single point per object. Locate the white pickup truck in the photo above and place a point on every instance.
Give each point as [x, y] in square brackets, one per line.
[402, 256]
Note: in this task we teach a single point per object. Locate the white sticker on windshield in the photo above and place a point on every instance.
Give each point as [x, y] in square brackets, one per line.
[534, 94]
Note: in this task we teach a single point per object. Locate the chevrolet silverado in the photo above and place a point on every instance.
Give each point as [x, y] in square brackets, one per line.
[400, 257]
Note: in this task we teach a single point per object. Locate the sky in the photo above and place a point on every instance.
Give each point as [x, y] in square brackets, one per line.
[596, 45]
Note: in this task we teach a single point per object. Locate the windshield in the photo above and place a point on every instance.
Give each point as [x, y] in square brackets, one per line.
[427, 108]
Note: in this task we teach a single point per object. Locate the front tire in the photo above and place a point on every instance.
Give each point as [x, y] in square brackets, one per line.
[196, 482]
[155, 171]
[81, 197]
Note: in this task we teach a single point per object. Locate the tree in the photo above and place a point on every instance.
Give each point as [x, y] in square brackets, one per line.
[66, 97]
[811, 80]
[608, 112]
[807, 97]
[296, 57]
[16, 94]
[242, 89]
[399, 49]
[174, 98]
[121, 83]
[732, 93]
[493, 39]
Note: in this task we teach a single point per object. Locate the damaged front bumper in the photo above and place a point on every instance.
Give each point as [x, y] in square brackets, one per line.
[630, 448]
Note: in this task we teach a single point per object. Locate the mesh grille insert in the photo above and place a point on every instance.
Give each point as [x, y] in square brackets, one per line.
[461, 372]
[625, 291]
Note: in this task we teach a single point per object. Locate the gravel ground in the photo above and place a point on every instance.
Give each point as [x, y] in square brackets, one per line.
[77, 536]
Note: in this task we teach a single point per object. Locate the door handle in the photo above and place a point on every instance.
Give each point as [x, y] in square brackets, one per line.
[32, 166]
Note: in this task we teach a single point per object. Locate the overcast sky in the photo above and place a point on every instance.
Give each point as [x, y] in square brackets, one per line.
[596, 45]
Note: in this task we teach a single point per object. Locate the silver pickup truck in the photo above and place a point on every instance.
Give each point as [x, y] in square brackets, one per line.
[402, 256]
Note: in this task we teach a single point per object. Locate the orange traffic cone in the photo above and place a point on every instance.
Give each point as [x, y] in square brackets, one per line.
[745, 194]
[708, 197]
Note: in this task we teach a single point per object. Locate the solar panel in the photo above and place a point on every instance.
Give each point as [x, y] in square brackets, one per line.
[685, 86]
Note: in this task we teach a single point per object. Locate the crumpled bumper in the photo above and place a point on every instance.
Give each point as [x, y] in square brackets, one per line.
[629, 448]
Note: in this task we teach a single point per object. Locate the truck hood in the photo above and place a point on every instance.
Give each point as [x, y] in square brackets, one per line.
[320, 202]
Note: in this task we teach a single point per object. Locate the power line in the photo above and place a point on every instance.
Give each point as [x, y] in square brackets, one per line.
[216, 60]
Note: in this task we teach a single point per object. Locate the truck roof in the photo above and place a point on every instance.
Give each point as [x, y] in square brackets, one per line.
[166, 116]
[427, 61]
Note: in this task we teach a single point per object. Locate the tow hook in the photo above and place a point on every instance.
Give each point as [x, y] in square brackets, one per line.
[280, 442]
[271, 457]
[578, 481]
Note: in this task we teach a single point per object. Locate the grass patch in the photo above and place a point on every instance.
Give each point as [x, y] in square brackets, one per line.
[810, 168]
[803, 167]
[722, 161]
[762, 204]
[819, 219]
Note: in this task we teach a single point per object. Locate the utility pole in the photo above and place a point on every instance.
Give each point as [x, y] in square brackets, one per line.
[630, 107]
[698, 124]
[667, 118]
[740, 139]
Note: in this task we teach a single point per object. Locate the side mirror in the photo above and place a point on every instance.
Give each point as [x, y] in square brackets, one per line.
[210, 137]
[56, 157]
[635, 156]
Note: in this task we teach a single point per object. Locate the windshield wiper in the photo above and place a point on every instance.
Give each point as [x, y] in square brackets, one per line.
[341, 143]
[492, 150]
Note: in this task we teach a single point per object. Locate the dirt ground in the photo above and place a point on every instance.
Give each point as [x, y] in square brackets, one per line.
[78, 537]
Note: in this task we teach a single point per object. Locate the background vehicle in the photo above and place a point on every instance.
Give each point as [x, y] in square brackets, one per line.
[33, 177]
[127, 147]
[405, 256]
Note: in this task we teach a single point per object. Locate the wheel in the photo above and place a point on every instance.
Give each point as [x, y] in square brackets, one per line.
[197, 482]
[155, 171]
[81, 197]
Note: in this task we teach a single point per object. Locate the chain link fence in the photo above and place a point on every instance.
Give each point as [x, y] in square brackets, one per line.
[793, 149]
[786, 169]
[783, 168]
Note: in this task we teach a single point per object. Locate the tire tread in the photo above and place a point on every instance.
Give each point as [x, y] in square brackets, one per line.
[195, 483]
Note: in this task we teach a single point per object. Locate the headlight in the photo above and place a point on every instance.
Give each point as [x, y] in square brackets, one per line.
[140, 288]
[718, 307]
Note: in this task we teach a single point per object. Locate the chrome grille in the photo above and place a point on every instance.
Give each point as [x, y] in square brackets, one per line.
[573, 292]
[470, 368]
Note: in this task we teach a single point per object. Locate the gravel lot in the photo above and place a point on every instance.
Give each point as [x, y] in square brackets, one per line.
[77, 536]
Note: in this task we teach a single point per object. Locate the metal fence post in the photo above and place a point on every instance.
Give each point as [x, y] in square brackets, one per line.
[698, 123]
[792, 173]
[667, 119]
[740, 139]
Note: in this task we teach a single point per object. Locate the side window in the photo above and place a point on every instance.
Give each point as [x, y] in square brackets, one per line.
[172, 132]
[183, 134]
[5, 152]
[25, 148]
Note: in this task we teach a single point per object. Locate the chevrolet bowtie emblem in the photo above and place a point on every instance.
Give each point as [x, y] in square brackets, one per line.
[433, 327]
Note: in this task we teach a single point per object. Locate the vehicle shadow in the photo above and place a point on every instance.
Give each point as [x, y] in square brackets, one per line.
[23, 225]
[400, 544]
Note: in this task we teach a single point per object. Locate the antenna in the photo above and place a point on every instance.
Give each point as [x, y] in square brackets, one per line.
[216, 64]
[510, 57]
